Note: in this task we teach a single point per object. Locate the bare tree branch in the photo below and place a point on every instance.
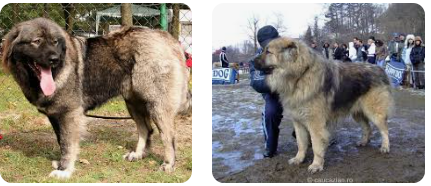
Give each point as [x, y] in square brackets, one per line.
[251, 28]
[279, 23]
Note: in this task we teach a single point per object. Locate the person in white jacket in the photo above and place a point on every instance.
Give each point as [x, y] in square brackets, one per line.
[352, 52]
[371, 52]
[409, 43]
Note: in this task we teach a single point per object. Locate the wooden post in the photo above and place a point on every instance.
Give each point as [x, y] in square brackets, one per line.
[68, 11]
[126, 14]
[176, 25]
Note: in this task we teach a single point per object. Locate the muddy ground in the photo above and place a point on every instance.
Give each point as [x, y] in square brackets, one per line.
[238, 143]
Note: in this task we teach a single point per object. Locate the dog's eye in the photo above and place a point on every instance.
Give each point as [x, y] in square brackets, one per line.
[55, 41]
[268, 52]
[36, 41]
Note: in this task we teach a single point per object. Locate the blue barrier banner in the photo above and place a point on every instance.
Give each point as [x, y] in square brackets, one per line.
[395, 71]
[224, 76]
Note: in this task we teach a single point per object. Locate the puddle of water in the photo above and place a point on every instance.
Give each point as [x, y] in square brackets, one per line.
[231, 160]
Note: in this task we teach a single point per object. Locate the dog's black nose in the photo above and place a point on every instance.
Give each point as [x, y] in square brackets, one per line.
[53, 59]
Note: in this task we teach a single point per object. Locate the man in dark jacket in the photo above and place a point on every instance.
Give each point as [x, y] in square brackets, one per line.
[338, 52]
[223, 58]
[417, 57]
[361, 55]
[273, 113]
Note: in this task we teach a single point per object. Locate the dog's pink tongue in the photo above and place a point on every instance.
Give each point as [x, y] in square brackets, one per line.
[46, 81]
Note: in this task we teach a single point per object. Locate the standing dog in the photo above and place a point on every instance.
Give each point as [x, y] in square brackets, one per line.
[319, 91]
[64, 76]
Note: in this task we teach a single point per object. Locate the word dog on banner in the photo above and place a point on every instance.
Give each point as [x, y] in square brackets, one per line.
[224, 76]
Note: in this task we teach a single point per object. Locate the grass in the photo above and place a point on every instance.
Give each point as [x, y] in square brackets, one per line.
[29, 145]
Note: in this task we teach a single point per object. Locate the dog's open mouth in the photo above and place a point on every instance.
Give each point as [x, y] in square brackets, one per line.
[44, 74]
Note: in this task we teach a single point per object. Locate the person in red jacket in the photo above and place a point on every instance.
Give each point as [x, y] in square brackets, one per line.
[188, 60]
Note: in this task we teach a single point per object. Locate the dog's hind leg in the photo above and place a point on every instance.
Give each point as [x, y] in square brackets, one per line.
[380, 120]
[382, 125]
[302, 141]
[163, 118]
[366, 128]
[376, 107]
[143, 123]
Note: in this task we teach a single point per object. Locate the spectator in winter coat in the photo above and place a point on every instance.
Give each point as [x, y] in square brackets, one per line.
[405, 56]
[417, 57]
[352, 52]
[400, 47]
[360, 53]
[393, 47]
[381, 53]
[314, 47]
[355, 42]
[223, 58]
[273, 110]
[371, 51]
[326, 51]
[346, 53]
[338, 52]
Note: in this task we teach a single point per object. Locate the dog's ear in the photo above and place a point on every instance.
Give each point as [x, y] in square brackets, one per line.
[290, 49]
[289, 44]
[10, 40]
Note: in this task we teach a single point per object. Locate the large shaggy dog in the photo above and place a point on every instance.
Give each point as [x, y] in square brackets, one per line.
[318, 91]
[64, 76]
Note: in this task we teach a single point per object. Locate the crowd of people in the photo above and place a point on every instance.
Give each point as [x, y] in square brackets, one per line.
[408, 50]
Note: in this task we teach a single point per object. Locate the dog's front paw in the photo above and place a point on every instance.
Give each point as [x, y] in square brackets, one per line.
[295, 161]
[61, 174]
[133, 156]
[55, 164]
[384, 149]
[168, 168]
[313, 168]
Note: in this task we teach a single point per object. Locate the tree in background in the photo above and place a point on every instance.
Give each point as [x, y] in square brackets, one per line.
[308, 36]
[316, 32]
[236, 53]
[251, 28]
[408, 18]
[278, 23]
[254, 24]
[348, 20]
[69, 15]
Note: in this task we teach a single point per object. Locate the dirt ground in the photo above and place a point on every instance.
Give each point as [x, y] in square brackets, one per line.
[238, 143]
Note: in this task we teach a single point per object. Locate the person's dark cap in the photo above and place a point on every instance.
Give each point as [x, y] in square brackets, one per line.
[223, 48]
[266, 34]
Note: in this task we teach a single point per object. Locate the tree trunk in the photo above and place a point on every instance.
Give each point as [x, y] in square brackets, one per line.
[69, 12]
[45, 10]
[126, 14]
[255, 38]
[15, 13]
[175, 27]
